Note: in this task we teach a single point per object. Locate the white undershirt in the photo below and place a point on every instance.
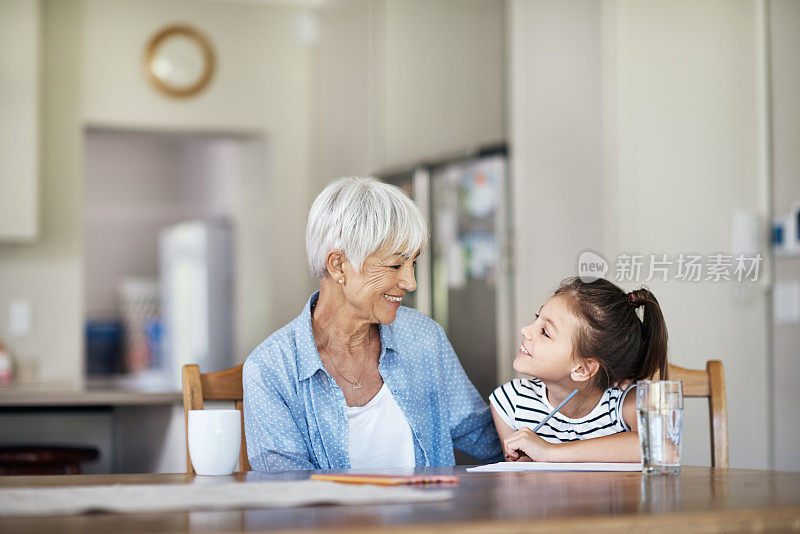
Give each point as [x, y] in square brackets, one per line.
[380, 435]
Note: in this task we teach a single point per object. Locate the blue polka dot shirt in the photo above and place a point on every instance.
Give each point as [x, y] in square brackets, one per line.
[295, 416]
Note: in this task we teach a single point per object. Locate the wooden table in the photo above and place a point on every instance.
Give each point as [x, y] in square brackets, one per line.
[699, 499]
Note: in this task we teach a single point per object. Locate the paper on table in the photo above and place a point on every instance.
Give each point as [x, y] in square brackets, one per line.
[557, 466]
[193, 496]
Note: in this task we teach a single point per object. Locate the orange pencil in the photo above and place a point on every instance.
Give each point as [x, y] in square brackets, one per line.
[387, 480]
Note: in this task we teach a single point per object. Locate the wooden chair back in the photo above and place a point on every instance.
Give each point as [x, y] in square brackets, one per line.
[223, 385]
[227, 386]
[709, 383]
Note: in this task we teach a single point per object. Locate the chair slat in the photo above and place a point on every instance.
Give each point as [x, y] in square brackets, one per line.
[223, 385]
[718, 412]
[192, 400]
[709, 383]
[695, 382]
[244, 462]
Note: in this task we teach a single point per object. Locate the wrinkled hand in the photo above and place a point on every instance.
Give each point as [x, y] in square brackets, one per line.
[524, 443]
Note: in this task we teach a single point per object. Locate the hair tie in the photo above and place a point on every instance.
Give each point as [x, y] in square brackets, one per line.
[637, 298]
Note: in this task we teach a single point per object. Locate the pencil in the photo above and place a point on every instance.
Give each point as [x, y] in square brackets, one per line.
[555, 410]
[386, 480]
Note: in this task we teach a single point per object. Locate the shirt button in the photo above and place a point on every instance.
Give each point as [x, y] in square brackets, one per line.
[394, 391]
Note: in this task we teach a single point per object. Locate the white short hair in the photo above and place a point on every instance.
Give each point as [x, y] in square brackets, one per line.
[359, 216]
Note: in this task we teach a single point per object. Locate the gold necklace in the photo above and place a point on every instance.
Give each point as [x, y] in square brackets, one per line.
[353, 384]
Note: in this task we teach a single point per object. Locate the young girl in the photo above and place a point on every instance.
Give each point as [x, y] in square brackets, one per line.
[589, 337]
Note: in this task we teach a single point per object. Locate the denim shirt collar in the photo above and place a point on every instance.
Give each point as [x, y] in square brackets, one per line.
[308, 361]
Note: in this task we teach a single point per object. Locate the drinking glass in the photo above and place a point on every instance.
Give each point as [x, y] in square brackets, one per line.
[214, 440]
[659, 407]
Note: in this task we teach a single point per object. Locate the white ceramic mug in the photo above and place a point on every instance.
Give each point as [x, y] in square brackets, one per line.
[214, 440]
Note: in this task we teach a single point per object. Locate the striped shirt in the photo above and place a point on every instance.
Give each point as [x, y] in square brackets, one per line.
[523, 403]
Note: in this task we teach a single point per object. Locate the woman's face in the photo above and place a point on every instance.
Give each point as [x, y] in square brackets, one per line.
[377, 292]
[546, 348]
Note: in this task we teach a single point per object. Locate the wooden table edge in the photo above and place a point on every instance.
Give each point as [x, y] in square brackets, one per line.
[777, 519]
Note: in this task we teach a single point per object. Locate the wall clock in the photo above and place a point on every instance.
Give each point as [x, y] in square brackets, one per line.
[179, 61]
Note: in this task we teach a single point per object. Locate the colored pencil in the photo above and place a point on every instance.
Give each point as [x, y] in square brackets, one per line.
[387, 480]
[555, 410]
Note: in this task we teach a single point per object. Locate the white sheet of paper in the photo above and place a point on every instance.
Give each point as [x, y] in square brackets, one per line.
[556, 466]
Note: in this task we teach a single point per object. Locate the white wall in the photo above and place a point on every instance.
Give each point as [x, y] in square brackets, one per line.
[93, 77]
[400, 81]
[686, 156]
[556, 142]
[346, 128]
[634, 127]
[785, 46]
[443, 86]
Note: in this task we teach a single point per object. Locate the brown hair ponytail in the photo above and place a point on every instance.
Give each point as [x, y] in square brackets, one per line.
[611, 332]
[653, 354]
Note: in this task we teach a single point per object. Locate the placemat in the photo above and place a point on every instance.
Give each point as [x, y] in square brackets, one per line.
[128, 498]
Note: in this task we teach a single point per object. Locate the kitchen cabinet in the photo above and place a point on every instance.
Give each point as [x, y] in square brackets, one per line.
[19, 119]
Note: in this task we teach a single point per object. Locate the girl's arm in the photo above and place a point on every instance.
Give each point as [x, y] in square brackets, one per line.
[622, 447]
[503, 431]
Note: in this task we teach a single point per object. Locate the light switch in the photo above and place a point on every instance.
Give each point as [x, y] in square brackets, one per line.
[786, 303]
[20, 317]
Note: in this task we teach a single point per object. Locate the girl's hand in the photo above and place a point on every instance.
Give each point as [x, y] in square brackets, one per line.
[525, 443]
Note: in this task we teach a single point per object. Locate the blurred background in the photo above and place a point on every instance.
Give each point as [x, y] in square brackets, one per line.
[146, 222]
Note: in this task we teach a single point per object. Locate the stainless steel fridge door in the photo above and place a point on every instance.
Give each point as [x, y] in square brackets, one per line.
[469, 251]
[463, 277]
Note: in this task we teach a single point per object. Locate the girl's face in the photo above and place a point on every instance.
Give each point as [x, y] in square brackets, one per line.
[546, 348]
[377, 291]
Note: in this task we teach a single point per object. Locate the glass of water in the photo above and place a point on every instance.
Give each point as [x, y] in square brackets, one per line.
[659, 407]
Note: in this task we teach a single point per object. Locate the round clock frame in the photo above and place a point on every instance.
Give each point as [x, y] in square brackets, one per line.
[203, 48]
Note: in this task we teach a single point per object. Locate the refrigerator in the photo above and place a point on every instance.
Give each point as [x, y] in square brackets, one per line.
[196, 278]
[464, 277]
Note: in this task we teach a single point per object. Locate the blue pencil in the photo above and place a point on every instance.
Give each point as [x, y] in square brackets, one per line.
[551, 414]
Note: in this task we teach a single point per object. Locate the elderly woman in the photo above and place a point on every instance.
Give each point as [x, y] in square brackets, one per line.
[357, 380]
